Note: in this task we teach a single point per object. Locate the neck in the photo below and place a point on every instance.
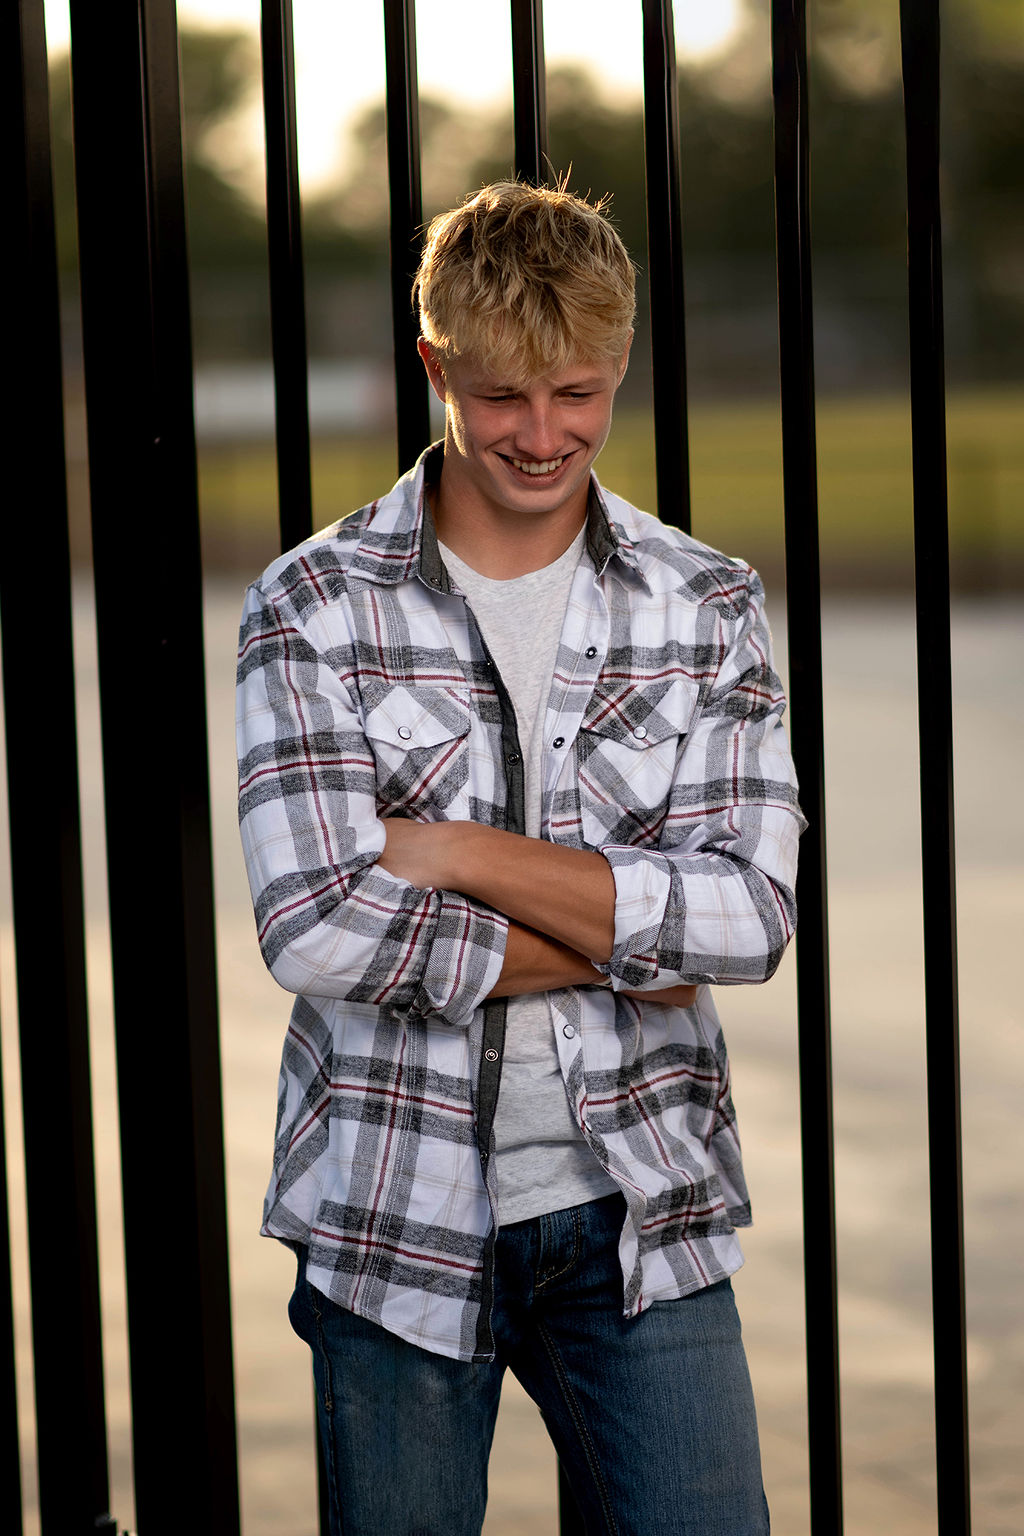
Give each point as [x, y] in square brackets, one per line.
[498, 544]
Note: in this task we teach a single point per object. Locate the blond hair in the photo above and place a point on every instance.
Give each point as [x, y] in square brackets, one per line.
[525, 280]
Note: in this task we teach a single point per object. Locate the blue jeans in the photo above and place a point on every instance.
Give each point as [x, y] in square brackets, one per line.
[652, 1418]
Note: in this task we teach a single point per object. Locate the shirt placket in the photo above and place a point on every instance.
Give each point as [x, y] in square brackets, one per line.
[585, 634]
[492, 1047]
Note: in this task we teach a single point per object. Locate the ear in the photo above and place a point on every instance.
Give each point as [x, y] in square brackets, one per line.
[435, 372]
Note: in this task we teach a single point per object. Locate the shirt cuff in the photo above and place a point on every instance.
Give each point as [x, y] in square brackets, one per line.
[643, 882]
[467, 951]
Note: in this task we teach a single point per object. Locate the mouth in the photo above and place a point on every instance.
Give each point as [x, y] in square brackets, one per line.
[537, 469]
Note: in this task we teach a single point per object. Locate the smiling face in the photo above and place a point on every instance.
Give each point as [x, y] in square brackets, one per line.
[524, 451]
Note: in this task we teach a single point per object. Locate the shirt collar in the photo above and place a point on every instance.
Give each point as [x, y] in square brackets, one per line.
[399, 540]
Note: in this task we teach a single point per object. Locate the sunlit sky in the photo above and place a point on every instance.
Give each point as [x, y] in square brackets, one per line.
[464, 52]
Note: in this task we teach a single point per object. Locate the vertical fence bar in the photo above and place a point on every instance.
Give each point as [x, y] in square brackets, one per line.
[288, 333]
[46, 858]
[403, 123]
[665, 263]
[10, 1454]
[803, 578]
[287, 281]
[142, 471]
[529, 92]
[919, 28]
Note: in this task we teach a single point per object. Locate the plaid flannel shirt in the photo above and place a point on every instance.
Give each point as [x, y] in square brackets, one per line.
[365, 691]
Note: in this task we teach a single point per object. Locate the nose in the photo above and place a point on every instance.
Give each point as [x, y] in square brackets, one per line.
[539, 435]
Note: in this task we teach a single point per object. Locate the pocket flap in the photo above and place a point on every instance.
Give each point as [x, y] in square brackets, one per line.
[419, 717]
[641, 712]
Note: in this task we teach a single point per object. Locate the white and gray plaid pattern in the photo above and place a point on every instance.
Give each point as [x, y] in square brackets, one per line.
[365, 691]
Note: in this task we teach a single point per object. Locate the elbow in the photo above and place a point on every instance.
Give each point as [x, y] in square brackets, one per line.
[291, 969]
[318, 961]
[310, 938]
[290, 962]
[778, 919]
[773, 959]
[729, 943]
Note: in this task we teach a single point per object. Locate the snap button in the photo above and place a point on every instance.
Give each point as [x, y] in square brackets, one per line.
[404, 732]
[491, 1055]
[590, 652]
[640, 731]
[513, 757]
[559, 741]
[568, 1031]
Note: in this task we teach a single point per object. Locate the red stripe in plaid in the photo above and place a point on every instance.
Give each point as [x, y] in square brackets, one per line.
[392, 981]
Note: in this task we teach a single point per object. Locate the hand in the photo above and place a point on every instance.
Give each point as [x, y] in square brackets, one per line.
[414, 851]
[430, 856]
[682, 996]
[535, 963]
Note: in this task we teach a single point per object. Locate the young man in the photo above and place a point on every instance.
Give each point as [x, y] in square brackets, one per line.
[514, 792]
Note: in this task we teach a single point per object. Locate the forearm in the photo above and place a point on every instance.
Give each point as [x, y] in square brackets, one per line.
[559, 901]
[566, 893]
[536, 963]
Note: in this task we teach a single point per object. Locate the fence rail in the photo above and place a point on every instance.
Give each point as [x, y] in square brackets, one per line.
[141, 444]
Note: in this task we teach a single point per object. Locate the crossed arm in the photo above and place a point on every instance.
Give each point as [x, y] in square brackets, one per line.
[413, 922]
[560, 902]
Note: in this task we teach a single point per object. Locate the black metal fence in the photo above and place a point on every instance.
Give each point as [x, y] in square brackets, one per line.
[143, 488]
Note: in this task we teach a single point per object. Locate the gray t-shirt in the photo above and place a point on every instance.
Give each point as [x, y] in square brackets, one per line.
[543, 1162]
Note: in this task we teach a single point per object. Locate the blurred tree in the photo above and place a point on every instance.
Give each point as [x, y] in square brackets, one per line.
[858, 217]
[983, 189]
[220, 80]
[219, 84]
[447, 137]
[225, 225]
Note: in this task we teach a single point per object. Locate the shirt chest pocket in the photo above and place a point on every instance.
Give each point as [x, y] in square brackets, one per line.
[627, 749]
[418, 737]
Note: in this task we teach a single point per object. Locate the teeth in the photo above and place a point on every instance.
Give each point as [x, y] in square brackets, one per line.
[532, 468]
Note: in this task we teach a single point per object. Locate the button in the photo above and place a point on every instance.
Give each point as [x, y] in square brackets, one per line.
[640, 732]
[490, 1055]
[590, 652]
[568, 1031]
[559, 741]
[513, 757]
[404, 732]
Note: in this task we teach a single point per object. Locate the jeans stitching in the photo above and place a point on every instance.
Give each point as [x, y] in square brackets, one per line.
[327, 1404]
[573, 1257]
[586, 1443]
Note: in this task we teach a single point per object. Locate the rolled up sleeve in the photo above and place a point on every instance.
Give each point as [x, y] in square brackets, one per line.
[715, 901]
[330, 921]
